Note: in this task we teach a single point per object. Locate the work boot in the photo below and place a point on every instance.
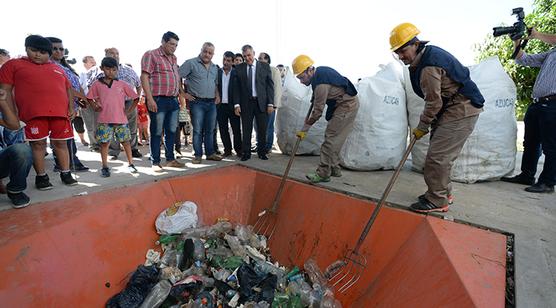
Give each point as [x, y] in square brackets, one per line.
[174, 163]
[214, 157]
[540, 188]
[519, 179]
[42, 182]
[425, 206]
[336, 172]
[315, 178]
[67, 178]
[196, 160]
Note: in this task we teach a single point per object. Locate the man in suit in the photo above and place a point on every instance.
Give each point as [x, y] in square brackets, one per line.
[225, 110]
[253, 93]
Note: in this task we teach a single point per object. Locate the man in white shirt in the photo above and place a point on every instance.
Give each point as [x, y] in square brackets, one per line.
[225, 110]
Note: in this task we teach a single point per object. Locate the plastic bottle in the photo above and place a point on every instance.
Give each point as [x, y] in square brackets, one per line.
[328, 301]
[218, 229]
[314, 272]
[235, 245]
[198, 250]
[170, 258]
[221, 274]
[333, 268]
[157, 295]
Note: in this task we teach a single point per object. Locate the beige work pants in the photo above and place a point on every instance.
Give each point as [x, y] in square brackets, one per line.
[335, 136]
[447, 140]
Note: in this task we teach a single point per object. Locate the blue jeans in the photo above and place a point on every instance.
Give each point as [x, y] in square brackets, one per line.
[203, 114]
[164, 119]
[269, 131]
[16, 161]
[540, 137]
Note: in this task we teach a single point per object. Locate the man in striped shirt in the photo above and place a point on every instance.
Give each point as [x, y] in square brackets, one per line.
[540, 119]
[161, 85]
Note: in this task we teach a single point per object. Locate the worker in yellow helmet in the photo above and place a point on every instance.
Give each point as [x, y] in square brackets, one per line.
[452, 106]
[339, 95]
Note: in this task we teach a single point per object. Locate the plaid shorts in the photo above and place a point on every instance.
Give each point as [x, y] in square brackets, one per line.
[105, 132]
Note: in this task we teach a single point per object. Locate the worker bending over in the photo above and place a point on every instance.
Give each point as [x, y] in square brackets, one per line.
[452, 106]
[338, 93]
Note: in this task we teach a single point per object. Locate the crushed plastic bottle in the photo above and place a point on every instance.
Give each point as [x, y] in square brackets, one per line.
[198, 250]
[333, 268]
[157, 295]
[235, 245]
[314, 272]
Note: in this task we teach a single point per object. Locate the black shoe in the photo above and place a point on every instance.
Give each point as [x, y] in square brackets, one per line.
[254, 149]
[239, 154]
[68, 179]
[105, 172]
[245, 157]
[19, 200]
[227, 153]
[42, 182]
[425, 206]
[135, 153]
[80, 168]
[519, 179]
[540, 188]
[218, 152]
[263, 157]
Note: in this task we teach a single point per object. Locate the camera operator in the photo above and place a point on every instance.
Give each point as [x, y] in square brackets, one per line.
[540, 119]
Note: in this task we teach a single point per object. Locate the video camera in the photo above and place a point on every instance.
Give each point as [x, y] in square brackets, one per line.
[517, 30]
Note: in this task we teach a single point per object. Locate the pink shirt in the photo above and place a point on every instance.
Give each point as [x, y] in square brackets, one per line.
[112, 100]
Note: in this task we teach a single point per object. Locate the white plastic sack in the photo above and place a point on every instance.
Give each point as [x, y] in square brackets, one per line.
[171, 221]
[296, 99]
[379, 135]
[490, 150]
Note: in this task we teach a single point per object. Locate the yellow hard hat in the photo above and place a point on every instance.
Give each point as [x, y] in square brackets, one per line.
[301, 63]
[402, 34]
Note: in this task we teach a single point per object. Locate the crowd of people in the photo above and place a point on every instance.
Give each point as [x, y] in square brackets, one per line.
[42, 97]
[167, 106]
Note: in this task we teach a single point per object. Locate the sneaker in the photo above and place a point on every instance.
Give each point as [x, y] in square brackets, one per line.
[157, 168]
[540, 188]
[425, 206]
[42, 182]
[67, 178]
[132, 168]
[105, 172]
[174, 163]
[450, 198]
[135, 153]
[519, 179]
[19, 200]
[336, 172]
[315, 178]
[196, 160]
[214, 157]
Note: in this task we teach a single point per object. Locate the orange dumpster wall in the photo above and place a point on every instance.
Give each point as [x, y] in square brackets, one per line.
[64, 252]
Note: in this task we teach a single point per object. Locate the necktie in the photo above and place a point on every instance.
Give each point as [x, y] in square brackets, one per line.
[250, 80]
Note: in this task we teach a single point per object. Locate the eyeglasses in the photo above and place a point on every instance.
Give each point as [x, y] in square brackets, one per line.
[58, 48]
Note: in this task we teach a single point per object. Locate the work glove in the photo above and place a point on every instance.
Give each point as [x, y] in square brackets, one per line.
[419, 133]
[303, 132]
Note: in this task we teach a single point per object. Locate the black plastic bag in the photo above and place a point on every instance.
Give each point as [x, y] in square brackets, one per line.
[137, 288]
[255, 287]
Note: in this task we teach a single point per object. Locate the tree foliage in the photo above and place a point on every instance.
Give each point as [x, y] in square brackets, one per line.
[543, 18]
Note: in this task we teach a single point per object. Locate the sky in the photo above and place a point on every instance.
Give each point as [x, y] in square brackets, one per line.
[351, 36]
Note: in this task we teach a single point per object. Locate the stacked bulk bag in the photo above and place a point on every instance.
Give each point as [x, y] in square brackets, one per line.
[379, 135]
[296, 99]
[490, 150]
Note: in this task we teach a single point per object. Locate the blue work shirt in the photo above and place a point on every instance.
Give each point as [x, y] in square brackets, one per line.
[200, 80]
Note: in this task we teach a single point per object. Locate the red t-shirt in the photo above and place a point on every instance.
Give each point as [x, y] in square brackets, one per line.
[40, 89]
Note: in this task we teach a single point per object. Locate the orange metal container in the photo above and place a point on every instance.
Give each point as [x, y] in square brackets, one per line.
[79, 251]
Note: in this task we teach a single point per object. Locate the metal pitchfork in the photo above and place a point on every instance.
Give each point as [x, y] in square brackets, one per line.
[346, 272]
[266, 223]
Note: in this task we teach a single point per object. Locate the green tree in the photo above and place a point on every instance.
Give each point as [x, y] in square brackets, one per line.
[543, 18]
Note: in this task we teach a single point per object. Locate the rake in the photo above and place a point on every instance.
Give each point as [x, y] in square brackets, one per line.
[344, 273]
[266, 223]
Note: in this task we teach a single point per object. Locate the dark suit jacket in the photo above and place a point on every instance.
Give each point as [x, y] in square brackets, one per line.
[263, 83]
[231, 101]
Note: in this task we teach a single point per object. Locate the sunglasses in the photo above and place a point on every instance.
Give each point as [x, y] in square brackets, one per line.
[58, 48]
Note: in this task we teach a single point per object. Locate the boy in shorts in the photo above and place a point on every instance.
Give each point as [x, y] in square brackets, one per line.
[108, 96]
[42, 96]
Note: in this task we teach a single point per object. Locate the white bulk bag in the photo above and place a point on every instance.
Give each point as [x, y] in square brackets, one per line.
[490, 150]
[296, 99]
[379, 135]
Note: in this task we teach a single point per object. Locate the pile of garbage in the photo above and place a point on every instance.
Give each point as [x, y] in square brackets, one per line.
[221, 265]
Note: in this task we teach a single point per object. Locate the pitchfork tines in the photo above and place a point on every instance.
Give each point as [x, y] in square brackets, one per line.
[345, 273]
[266, 223]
